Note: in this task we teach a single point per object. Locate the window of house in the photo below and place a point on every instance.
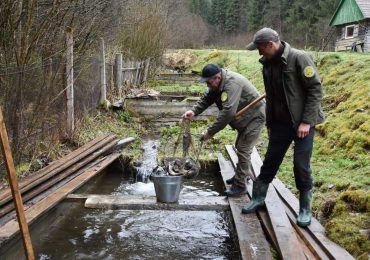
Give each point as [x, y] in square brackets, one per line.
[350, 31]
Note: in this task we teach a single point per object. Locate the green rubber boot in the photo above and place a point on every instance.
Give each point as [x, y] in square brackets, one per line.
[305, 203]
[258, 197]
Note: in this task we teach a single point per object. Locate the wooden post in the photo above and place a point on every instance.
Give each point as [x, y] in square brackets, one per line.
[137, 66]
[103, 80]
[69, 80]
[129, 72]
[146, 71]
[5, 147]
[119, 74]
[140, 74]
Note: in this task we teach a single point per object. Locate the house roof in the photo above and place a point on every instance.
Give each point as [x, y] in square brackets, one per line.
[365, 7]
[350, 11]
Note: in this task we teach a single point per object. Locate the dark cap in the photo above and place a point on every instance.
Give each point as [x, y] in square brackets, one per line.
[262, 36]
[208, 72]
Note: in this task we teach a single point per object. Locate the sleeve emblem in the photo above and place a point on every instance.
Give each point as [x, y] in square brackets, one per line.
[223, 96]
[309, 72]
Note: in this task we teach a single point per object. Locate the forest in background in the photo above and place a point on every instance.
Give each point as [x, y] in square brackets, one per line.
[230, 22]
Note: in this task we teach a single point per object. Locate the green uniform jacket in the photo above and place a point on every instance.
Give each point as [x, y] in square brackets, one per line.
[302, 87]
[235, 92]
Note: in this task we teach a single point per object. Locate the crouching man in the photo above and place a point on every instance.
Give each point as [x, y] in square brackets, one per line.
[231, 92]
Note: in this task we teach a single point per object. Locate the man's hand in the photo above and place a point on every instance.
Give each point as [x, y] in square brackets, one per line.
[205, 136]
[303, 130]
[188, 114]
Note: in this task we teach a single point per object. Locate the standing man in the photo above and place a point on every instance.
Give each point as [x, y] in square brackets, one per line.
[293, 97]
[231, 92]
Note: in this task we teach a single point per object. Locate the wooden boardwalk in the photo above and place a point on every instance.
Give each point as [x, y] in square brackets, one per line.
[290, 240]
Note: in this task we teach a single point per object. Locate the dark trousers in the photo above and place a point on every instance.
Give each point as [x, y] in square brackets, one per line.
[281, 136]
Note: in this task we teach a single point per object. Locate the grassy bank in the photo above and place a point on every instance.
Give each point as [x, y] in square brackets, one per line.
[341, 160]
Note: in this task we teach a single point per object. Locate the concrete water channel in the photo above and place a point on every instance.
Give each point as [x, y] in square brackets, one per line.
[72, 231]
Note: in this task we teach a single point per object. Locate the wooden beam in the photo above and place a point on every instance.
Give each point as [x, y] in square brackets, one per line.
[22, 223]
[286, 238]
[252, 242]
[55, 178]
[315, 230]
[10, 229]
[137, 202]
[58, 166]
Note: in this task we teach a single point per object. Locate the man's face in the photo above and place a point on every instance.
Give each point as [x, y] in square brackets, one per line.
[266, 49]
[214, 82]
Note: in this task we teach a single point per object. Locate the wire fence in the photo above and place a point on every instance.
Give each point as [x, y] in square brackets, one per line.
[33, 99]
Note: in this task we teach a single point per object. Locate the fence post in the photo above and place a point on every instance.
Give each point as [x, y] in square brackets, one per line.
[140, 74]
[69, 80]
[119, 74]
[146, 71]
[103, 80]
[137, 66]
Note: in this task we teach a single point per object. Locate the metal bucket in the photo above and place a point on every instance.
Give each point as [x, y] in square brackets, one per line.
[167, 188]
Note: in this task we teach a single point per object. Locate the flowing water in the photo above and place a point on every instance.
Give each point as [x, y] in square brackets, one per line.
[148, 160]
[72, 232]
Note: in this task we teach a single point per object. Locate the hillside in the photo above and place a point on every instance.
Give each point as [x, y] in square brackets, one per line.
[340, 162]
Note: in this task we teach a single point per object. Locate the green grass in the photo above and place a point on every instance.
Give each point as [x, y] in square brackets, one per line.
[341, 156]
[120, 123]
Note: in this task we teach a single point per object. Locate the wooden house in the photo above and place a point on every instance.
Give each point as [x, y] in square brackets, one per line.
[352, 25]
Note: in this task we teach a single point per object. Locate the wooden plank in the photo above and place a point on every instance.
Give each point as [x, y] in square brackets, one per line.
[53, 166]
[137, 202]
[286, 238]
[262, 214]
[58, 177]
[252, 242]
[306, 238]
[56, 167]
[315, 231]
[8, 157]
[289, 245]
[10, 229]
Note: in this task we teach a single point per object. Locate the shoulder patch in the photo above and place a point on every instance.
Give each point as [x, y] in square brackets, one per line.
[309, 72]
[223, 96]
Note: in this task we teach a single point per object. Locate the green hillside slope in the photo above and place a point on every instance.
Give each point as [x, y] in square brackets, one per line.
[341, 160]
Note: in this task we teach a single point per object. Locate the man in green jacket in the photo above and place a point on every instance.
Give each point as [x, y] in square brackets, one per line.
[231, 92]
[293, 108]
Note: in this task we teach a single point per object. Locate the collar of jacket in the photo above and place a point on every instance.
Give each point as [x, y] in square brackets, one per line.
[223, 80]
[284, 56]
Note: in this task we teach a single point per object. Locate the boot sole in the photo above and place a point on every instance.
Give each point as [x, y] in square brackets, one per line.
[236, 194]
[247, 211]
[303, 224]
